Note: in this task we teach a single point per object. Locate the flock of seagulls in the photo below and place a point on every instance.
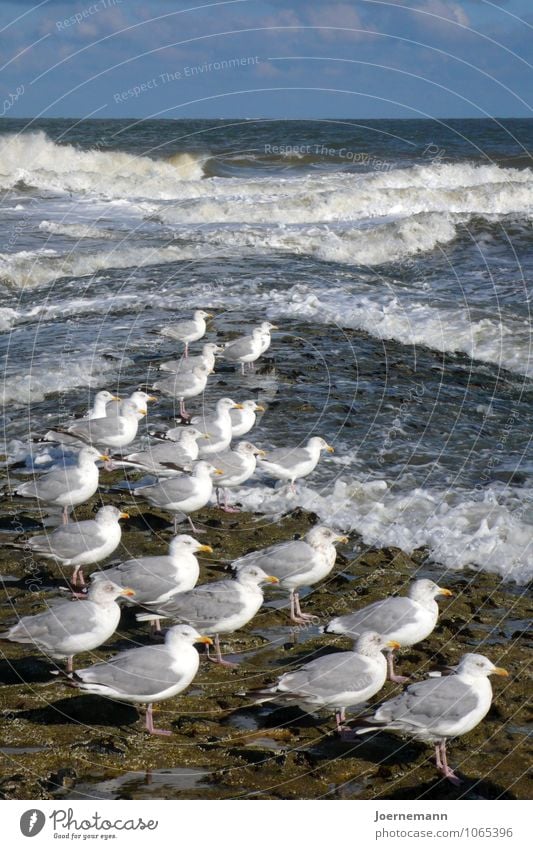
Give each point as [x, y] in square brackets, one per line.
[193, 463]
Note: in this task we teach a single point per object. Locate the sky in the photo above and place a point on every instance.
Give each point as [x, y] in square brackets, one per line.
[266, 58]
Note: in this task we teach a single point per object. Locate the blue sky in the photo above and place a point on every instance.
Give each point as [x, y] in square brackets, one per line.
[268, 58]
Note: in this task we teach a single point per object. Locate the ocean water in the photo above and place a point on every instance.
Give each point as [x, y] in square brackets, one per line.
[395, 256]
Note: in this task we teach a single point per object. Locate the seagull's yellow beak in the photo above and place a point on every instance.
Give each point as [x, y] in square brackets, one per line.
[219, 472]
[206, 548]
[392, 644]
[343, 539]
[143, 412]
[206, 436]
[104, 457]
[330, 449]
[151, 398]
[274, 327]
[271, 579]
[115, 398]
[499, 670]
[262, 453]
[128, 592]
[124, 516]
[260, 407]
[203, 639]
[209, 315]
[237, 407]
[443, 591]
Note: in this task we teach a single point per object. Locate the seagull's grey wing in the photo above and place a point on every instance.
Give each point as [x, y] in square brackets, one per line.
[242, 347]
[172, 490]
[177, 383]
[61, 619]
[384, 617]
[53, 484]
[230, 462]
[286, 456]
[150, 577]
[428, 702]
[137, 672]
[204, 606]
[283, 560]
[68, 540]
[97, 430]
[328, 675]
[163, 452]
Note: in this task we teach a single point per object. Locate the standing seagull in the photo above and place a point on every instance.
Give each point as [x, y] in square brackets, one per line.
[243, 419]
[206, 358]
[246, 349]
[147, 674]
[70, 627]
[182, 493]
[289, 464]
[298, 563]
[237, 467]
[184, 385]
[439, 708]
[336, 681]
[217, 427]
[188, 331]
[67, 486]
[110, 431]
[407, 620]
[157, 578]
[220, 607]
[80, 544]
[181, 452]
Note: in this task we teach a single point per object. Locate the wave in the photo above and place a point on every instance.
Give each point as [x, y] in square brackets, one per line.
[485, 531]
[33, 160]
[507, 344]
[75, 231]
[89, 371]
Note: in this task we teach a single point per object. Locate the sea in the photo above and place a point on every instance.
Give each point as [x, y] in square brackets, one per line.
[395, 257]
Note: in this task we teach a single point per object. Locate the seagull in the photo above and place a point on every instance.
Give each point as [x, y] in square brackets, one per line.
[289, 464]
[110, 431]
[157, 578]
[97, 411]
[246, 349]
[147, 674]
[184, 385]
[297, 563]
[243, 419]
[336, 681]
[182, 452]
[237, 466]
[80, 544]
[265, 327]
[219, 607]
[67, 486]
[206, 358]
[182, 493]
[139, 398]
[439, 708]
[188, 331]
[70, 627]
[218, 426]
[407, 620]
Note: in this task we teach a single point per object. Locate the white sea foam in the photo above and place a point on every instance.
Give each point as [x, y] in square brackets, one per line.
[75, 231]
[505, 343]
[35, 160]
[484, 530]
[68, 373]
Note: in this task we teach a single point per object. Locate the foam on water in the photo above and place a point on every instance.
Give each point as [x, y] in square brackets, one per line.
[67, 373]
[34, 160]
[507, 344]
[485, 529]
